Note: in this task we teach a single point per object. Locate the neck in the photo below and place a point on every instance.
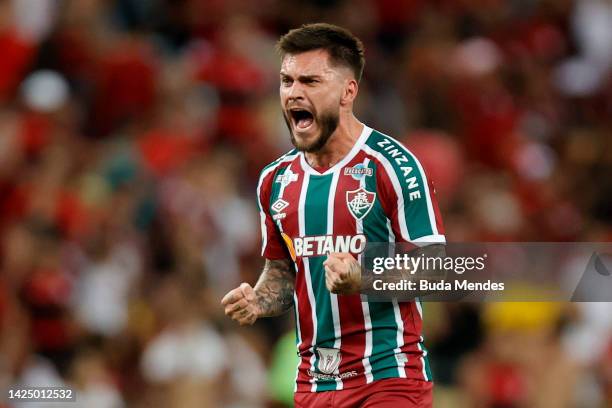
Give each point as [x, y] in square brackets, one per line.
[339, 144]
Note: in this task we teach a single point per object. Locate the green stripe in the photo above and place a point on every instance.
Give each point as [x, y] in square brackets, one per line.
[276, 186]
[428, 374]
[315, 219]
[415, 210]
[382, 315]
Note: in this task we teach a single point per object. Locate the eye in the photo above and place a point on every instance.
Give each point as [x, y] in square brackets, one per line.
[286, 81]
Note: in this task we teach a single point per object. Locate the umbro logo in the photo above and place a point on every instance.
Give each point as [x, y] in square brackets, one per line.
[279, 205]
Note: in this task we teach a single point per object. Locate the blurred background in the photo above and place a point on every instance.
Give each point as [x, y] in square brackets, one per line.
[132, 133]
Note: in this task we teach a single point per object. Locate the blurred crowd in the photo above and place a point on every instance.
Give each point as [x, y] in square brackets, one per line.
[131, 137]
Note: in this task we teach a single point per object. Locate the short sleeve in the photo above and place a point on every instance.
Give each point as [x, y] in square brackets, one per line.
[408, 197]
[272, 246]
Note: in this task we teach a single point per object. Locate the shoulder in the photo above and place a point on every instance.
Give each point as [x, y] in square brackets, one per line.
[267, 173]
[285, 158]
[394, 156]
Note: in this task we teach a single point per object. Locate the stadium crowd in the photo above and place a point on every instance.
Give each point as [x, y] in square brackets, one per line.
[131, 137]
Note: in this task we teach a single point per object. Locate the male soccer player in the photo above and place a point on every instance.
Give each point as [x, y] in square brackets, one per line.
[343, 185]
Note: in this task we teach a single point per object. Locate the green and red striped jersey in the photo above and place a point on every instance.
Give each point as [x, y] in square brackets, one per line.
[377, 193]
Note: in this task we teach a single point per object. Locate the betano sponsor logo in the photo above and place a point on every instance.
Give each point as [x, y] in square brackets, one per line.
[320, 245]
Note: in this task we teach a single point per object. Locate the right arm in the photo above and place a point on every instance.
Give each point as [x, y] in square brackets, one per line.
[272, 295]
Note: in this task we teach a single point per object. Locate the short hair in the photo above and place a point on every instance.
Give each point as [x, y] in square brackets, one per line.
[343, 47]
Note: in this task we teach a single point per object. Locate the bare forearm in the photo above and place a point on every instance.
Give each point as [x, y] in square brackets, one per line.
[275, 287]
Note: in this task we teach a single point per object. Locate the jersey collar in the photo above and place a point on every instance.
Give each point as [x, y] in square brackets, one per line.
[365, 132]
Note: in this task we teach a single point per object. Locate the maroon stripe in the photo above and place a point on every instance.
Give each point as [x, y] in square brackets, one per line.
[412, 329]
[351, 315]
[434, 202]
[290, 226]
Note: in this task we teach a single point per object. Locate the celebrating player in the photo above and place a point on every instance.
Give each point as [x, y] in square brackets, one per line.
[342, 186]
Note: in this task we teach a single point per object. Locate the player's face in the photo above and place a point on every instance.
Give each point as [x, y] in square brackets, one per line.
[310, 92]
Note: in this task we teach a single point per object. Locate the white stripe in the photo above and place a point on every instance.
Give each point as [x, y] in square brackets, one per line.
[295, 298]
[423, 359]
[262, 215]
[419, 307]
[430, 211]
[299, 337]
[401, 214]
[390, 229]
[417, 302]
[434, 238]
[398, 320]
[365, 307]
[367, 367]
[333, 296]
[430, 239]
[305, 260]
[400, 339]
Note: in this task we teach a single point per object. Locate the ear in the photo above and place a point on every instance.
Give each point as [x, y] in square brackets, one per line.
[350, 92]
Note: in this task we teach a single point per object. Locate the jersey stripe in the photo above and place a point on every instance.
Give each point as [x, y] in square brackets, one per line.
[410, 186]
[307, 277]
[296, 303]
[398, 319]
[350, 306]
[316, 224]
[365, 307]
[376, 339]
[301, 309]
[384, 324]
[333, 297]
[268, 171]
[298, 337]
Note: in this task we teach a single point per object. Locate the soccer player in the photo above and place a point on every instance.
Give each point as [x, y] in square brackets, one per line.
[343, 185]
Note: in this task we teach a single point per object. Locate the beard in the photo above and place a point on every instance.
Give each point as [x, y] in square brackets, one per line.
[327, 121]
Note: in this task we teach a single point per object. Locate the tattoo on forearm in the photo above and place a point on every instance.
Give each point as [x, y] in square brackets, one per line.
[274, 289]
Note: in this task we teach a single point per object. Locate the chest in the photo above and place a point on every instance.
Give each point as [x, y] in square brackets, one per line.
[303, 204]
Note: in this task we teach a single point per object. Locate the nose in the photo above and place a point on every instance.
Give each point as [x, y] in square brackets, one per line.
[295, 92]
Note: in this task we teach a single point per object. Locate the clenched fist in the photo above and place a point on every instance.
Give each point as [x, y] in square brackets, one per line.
[342, 273]
[241, 304]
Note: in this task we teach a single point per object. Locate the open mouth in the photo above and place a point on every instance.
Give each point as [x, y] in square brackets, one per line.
[302, 118]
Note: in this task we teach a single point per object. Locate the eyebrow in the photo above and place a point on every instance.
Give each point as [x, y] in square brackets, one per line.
[301, 77]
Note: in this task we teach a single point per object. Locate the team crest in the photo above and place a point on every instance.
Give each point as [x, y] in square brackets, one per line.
[360, 202]
[329, 360]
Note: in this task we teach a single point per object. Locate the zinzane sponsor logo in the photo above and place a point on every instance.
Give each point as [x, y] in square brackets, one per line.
[396, 154]
[321, 245]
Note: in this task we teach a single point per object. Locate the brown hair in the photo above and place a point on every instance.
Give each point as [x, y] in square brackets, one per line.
[343, 47]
